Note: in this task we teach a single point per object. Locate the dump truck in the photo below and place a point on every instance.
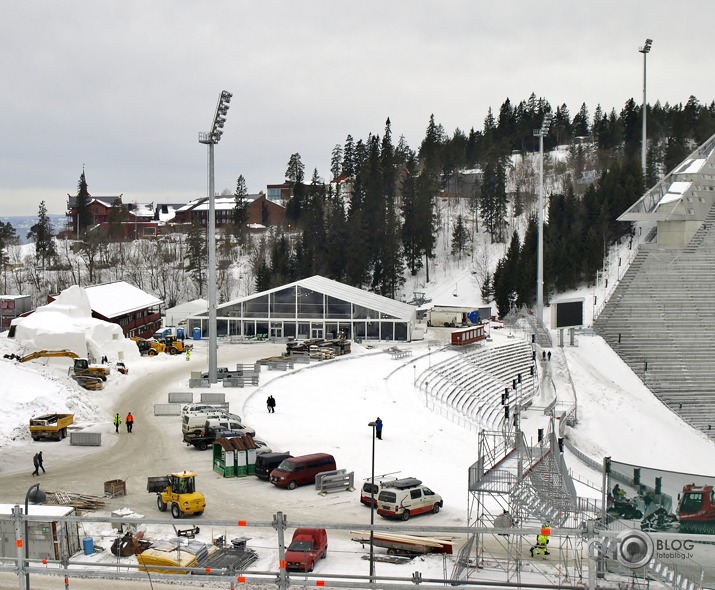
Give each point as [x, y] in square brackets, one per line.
[50, 426]
[178, 491]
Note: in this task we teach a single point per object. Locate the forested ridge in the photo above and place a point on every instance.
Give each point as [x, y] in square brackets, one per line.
[376, 220]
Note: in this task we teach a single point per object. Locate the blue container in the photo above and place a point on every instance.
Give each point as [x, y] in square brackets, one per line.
[180, 334]
[88, 545]
[197, 333]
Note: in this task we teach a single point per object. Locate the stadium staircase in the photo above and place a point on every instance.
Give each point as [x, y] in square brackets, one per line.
[661, 321]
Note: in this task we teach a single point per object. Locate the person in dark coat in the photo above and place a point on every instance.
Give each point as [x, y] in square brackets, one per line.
[378, 428]
[37, 462]
[271, 404]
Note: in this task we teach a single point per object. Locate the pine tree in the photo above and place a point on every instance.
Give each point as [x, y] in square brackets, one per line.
[118, 217]
[240, 209]
[295, 173]
[82, 219]
[41, 233]
[348, 165]
[8, 237]
[335, 161]
[196, 252]
[410, 214]
[460, 238]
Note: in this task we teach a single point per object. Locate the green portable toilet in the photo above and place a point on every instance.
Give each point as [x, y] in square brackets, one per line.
[241, 465]
[250, 454]
[224, 461]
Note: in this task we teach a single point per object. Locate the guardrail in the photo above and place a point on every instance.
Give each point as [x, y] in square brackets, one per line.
[334, 481]
[167, 409]
[86, 439]
[240, 381]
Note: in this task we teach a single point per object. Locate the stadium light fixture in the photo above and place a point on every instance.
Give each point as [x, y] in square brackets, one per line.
[210, 139]
[645, 50]
[540, 133]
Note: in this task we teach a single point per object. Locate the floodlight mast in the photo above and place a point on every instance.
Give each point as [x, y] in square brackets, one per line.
[645, 50]
[540, 133]
[212, 138]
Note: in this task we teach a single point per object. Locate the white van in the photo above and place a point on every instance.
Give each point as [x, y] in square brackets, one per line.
[369, 492]
[396, 503]
[196, 423]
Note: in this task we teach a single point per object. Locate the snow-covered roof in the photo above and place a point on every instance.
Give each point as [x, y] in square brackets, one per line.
[396, 309]
[189, 306]
[220, 204]
[690, 166]
[675, 192]
[115, 299]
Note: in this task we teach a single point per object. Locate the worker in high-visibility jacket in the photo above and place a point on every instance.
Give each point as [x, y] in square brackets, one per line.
[542, 541]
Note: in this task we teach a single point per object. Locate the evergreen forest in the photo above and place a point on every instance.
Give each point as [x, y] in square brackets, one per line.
[377, 220]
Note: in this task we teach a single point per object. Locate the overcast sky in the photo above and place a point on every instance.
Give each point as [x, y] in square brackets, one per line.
[124, 87]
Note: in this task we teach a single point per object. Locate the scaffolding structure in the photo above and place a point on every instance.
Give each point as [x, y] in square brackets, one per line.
[514, 488]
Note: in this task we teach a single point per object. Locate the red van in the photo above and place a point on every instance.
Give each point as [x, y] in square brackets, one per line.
[307, 546]
[301, 470]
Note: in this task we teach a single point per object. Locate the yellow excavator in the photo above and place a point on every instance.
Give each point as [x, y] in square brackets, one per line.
[48, 353]
[87, 375]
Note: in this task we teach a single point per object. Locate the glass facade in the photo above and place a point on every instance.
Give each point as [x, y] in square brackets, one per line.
[299, 312]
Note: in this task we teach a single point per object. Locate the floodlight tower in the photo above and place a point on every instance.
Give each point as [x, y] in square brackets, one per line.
[645, 50]
[211, 139]
[540, 133]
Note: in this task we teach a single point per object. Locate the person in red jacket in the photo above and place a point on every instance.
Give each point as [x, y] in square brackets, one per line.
[130, 422]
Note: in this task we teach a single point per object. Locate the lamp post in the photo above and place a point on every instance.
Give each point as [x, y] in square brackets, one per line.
[372, 507]
[540, 133]
[36, 496]
[212, 138]
[645, 50]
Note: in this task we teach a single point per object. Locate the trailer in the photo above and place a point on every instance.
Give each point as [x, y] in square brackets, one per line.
[452, 316]
[465, 336]
[407, 545]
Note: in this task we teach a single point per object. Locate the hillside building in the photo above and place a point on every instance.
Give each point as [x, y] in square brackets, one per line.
[314, 307]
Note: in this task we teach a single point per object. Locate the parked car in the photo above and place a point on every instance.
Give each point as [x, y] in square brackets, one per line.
[368, 491]
[267, 462]
[396, 503]
[229, 424]
[301, 470]
[197, 408]
[306, 547]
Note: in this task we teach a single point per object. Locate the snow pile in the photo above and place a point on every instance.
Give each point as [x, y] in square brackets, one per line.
[67, 323]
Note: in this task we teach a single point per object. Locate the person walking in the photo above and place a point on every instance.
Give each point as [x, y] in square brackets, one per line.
[271, 404]
[39, 463]
[117, 421]
[130, 422]
[378, 427]
[36, 463]
[188, 354]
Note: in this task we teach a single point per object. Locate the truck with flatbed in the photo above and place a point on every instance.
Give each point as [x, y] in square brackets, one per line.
[50, 426]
